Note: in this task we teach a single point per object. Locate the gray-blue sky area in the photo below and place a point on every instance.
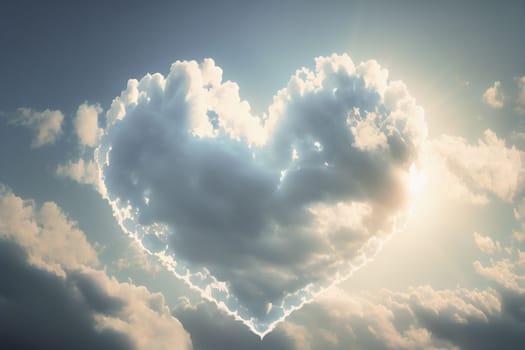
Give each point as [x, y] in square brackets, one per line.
[454, 273]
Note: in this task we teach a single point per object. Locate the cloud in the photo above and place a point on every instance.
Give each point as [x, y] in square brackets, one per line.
[472, 171]
[519, 216]
[210, 328]
[507, 270]
[50, 238]
[388, 319]
[135, 256]
[144, 316]
[518, 236]
[54, 295]
[40, 310]
[420, 317]
[82, 171]
[502, 273]
[86, 124]
[493, 96]
[367, 325]
[469, 319]
[260, 208]
[46, 125]
[486, 244]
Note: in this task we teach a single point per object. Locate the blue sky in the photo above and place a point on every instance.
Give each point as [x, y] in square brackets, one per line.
[456, 265]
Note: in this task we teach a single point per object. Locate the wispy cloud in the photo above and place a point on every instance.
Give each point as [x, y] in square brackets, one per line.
[86, 124]
[493, 96]
[473, 170]
[46, 125]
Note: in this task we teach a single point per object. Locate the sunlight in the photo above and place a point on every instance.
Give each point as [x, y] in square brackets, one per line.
[416, 180]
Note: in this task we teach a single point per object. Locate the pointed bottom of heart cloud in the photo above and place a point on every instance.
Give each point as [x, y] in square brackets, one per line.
[284, 308]
[261, 214]
[205, 284]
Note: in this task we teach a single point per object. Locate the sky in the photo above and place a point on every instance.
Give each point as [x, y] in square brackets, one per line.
[262, 175]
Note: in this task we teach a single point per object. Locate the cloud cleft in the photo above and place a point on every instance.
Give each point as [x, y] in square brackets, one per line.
[261, 213]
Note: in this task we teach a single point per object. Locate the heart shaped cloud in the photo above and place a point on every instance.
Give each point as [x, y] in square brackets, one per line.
[261, 213]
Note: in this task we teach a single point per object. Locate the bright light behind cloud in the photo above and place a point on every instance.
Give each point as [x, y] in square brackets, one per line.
[416, 180]
[262, 213]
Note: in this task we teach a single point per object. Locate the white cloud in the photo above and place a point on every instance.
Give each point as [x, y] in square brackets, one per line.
[135, 256]
[367, 135]
[241, 194]
[423, 317]
[508, 269]
[519, 216]
[418, 318]
[52, 241]
[473, 171]
[502, 272]
[85, 170]
[518, 236]
[145, 317]
[393, 320]
[493, 96]
[378, 320]
[81, 171]
[486, 244]
[46, 125]
[86, 124]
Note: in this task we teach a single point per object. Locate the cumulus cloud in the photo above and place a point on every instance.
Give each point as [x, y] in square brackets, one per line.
[420, 317]
[502, 272]
[472, 171]
[51, 239]
[493, 96]
[40, 310]
[52, 287]
[486, 244]
[390, 320]
[46, 125]
[507, 269]
[86, 124]
[210, 328]
[423, 317]
[82, 171]
[143, 316]
[273, 207]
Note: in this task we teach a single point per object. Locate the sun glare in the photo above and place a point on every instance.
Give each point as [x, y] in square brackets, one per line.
[416, 180]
